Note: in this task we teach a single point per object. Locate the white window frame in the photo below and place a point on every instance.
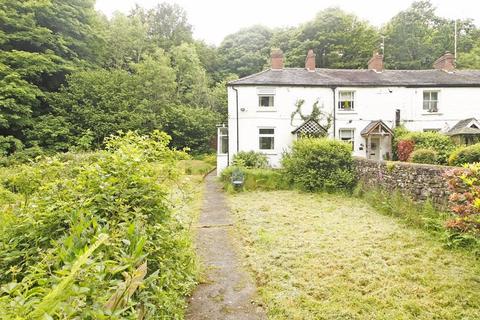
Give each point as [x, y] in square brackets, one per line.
[266, 135]
[351, 140]
[271, 96]
[220, 143]
[341, 100]
[430, 108]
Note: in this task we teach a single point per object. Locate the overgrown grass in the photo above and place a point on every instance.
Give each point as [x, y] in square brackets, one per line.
[422, 215]
[195, 167]
[255, 179]
[326, 256]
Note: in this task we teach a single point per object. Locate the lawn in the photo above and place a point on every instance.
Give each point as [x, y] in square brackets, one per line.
[321, 256]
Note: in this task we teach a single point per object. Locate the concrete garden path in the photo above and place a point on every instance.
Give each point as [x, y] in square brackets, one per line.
[227, 291]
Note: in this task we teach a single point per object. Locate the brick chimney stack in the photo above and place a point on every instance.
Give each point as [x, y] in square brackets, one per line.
[310, 61]
[276, 59]
[445, 62]
[376, 62]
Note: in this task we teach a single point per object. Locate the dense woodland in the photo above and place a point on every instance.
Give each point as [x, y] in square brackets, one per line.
[69, 76]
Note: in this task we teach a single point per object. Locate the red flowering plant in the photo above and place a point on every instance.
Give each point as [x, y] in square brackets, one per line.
[464, 200]
[404, 149]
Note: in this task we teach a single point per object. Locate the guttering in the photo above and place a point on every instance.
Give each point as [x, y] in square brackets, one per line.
[334, 110]
[236, 109]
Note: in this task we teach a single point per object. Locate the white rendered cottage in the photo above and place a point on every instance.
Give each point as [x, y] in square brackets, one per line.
[364, 105]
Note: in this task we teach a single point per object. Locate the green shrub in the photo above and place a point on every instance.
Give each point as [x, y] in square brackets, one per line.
[255, 179]
[437, 141]
[426, 156]
[320, 164]
[463, 155]
[250, 159]
[95, 237]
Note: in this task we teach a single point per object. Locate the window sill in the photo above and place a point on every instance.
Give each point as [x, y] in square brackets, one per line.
[432, 114]
[346, 112]
[265, 109]
[268, 152]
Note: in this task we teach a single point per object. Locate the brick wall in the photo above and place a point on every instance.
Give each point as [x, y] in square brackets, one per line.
[419, 181]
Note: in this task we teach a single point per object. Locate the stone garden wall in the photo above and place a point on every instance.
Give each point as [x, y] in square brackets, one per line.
[419, 181]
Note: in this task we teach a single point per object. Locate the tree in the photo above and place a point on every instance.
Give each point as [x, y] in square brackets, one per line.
[339, 39]
[192, 80]
[246, 51]
[111, 100]
[416, 37]
[192, 128]
[167, 24]
[41, 42]
[127, 39]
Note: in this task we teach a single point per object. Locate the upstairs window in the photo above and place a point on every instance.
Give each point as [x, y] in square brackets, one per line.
[266, 140]
[347, 135]
[430, 101]
[346, 100]
[266, 101]
[222, 140]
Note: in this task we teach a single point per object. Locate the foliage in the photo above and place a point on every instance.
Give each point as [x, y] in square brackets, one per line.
[40, 42]
[320, 164]
[427, 156]
[317, 114]
[464, 185]
[192, 128]
[339, 39]
[250, 159]
[166, 24]
[463, 155]
[245, 52]
[80, 232]
[195, 167]
[9, 145]
[416, 37]
[255, 179]
[437, 141]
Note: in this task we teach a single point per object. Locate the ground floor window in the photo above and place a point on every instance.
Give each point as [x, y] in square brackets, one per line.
[266, 138]
[347, 135]
[222, 140]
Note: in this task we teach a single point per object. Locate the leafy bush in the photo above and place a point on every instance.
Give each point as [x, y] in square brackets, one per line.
[250, 159]
[95, 237]
[464, 199]
[463, 155]
[320, 164]
[255, 179]
[9, 145]
[437, 141]
[404, 149]
[427, 156]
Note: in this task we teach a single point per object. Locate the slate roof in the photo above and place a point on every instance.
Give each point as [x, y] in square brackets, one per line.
[462, 127]
[374, 124]
[362, 77]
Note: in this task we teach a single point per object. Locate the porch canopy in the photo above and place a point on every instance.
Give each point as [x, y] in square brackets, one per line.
[466, 131]
[310, 128]
[378, 128]
[469, 126]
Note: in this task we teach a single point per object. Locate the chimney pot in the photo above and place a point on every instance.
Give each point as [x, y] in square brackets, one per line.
[310, 61]
[445, 62]
[376, 62]
[276, 59]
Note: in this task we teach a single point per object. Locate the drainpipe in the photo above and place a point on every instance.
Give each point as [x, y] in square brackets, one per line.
[236, 109]
[334, 111]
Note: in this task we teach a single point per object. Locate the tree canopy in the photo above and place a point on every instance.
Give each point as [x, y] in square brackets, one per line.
[69, 76]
